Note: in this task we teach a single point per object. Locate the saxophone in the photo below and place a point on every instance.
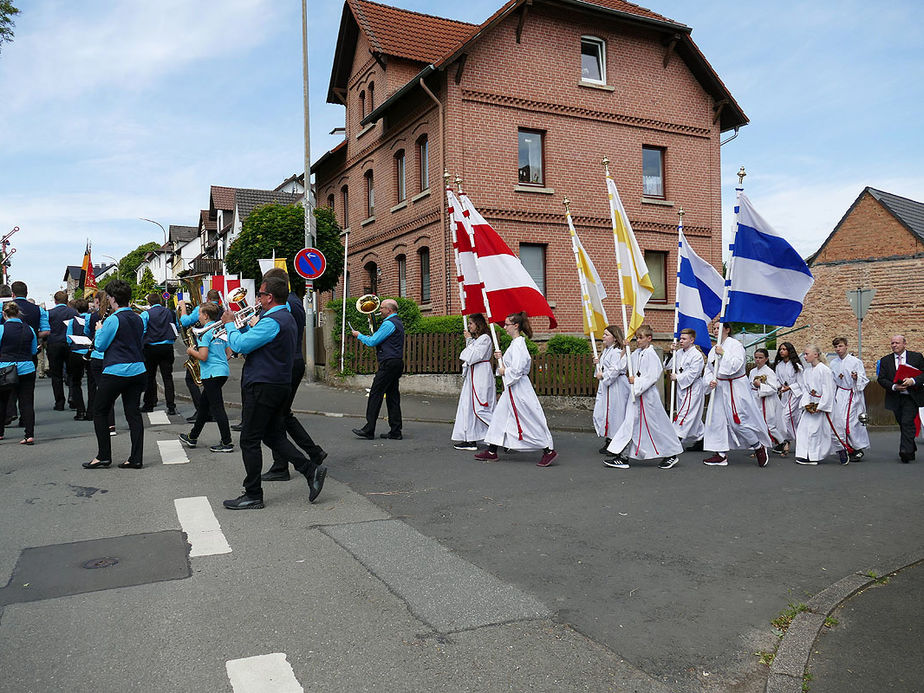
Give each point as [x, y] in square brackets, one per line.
[194, 284]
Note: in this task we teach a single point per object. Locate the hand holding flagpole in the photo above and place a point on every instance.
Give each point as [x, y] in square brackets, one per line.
[676, 313]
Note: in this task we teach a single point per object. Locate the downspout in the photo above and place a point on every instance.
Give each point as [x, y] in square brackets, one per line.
[446, 242]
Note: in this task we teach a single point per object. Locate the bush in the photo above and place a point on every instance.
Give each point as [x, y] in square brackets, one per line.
[504, 340]
[440, 324]
[565, 344]
[407, 311]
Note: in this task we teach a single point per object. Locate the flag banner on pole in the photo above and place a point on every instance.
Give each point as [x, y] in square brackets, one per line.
[594, 285]
[468, 270]
[769, 278]
[636, 284]
[508, 286]
[699, 294]
[87, 278]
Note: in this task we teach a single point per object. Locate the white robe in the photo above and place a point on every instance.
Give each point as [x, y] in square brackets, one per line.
[647, 428]
[612, 393]
[478, 396]
[815, 437]
[732, 397]
[849, 400]
[518, 422]
[691, 394]
[791, 412]
[769, 401]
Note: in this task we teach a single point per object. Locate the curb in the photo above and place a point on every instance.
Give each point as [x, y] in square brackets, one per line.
[795, 648]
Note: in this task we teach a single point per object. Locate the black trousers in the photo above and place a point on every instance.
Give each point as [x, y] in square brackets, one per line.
[264, 408]
[24, 393]
[76, 365]
[159, 357]
[108, 389]
[194, 390]
[212, 406]
[94, 373]
[385, 384]
[294, 428]
[904, 415]
[57, 353]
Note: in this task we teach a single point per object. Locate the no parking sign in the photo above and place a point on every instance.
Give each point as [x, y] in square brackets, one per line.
[310, 263]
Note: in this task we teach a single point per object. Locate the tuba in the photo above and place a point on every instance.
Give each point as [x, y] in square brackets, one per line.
[368, 304]
[194, 283]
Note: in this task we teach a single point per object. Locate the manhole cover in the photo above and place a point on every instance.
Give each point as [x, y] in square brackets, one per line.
[101, 563]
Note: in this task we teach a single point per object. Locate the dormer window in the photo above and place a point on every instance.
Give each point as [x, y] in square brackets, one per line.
[593, 60]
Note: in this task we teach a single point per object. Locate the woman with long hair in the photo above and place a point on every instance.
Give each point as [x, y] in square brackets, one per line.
[789, 371]
[18, 346]
[613, 389]
[478, 396]
[765, 385]
[816, 437]
[518, 422]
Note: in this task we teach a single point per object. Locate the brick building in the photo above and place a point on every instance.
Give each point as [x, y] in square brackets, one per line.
[523, 107]
[878, 244]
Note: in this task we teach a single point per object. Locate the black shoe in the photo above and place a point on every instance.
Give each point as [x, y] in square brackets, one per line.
[316, 483]
[171, 411]
[320, 458]
[128, 464]
[80, 416]
[603, 450]
[696, 447]
[97, 464]
[187, 440]
[244, 502]
[390, 436]
[146, 409]
[237, 426]
[360, 433]
[905, 458]
[192, 419]
[59, 407]
[275, 476]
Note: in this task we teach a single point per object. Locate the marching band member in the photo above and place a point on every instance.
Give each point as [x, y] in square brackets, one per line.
[849, 398]
[95, 367]
[691, 392]
[159, 335]
[190, 320]
[733, 421]
[18, 347]
[613, 390]
[518, 422]
[77, 360]
[789, 371]
[478, 396]
[56, 348]
[646, 432]
[766, 387]
[816, 437]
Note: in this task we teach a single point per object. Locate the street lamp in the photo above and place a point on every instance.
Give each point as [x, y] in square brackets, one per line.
[166, 242]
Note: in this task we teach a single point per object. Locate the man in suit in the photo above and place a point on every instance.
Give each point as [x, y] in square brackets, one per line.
[56, 347]
[159, 335]
[388, 341]
[903, 398]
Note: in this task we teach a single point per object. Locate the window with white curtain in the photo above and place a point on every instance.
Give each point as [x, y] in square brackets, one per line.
[530, 157]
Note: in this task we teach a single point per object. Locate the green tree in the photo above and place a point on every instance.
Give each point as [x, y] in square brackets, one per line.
[145, 286]
[281, 228]
[7, 12]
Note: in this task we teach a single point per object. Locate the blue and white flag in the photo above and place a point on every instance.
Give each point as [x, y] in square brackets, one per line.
[699, 294]
[769, 278]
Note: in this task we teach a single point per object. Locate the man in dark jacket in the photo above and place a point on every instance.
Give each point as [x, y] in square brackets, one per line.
[903, 397]
[56, 347]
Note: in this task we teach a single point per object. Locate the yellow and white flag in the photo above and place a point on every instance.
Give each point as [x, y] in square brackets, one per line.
[636, 284]
[592, 291]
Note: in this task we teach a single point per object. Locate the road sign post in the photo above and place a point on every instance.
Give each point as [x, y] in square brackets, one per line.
[860, 300]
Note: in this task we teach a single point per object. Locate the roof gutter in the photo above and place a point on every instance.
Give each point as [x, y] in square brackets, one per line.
[628, 17]
[387, 103]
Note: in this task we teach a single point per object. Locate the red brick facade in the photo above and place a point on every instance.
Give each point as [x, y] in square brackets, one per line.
[502, 84]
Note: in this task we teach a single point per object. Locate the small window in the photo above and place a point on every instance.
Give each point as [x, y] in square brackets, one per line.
[400, 187]
[530, 157]
[372, 278]
[423, 163]
[532, 257]
[362, 104]
[330, 202]
[402, 275]
[593, 60]
[424, 255]
[656, 261]
[345, 200]
[652, 172]
[370, 194]
[371, 89]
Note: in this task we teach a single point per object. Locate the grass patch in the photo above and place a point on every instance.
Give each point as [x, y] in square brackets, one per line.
[781, 622]
[830, 622]
[765, 658]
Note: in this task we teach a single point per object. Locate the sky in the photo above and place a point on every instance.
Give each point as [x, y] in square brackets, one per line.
[113, 110]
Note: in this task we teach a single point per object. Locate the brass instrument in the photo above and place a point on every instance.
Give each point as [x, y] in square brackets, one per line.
[188, 333]
[241, 317]
[139, 307]
[239, 297]
[368, 304]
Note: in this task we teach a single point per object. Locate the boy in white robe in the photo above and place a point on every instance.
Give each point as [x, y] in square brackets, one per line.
[817, 436]
[613, 390]
[691, 392]
[765, 385]
[647, 432]
[478, 396]
[849, 401]
[733, 421]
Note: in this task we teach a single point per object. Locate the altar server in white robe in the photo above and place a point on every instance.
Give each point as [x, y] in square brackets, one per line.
[849, 401]
[734, 420]
[765, 385]
[518, 422]
[613, 390]
[691, 392]
[788, 369]
[646, 432]
[817, 437]
[478, 396]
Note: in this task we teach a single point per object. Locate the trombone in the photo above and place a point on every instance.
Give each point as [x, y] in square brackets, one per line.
[241, 317]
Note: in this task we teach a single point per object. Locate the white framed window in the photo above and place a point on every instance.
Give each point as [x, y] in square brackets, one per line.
[400, 167]
[532, 257]
[652, 171]
[402, 275]
[530, 168]
[593, 60]
[423, 162]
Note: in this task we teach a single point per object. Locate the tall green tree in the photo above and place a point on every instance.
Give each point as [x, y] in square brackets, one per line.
[7, 12]
[145, 286]
[282, 228]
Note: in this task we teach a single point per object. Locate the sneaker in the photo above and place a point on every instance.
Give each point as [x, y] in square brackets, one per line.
[856, 455]
[779, 449]
[696, 447]
[802, 460]
[547, 459]
[244, 502]
[668, 462]
[618, 462]
[112, 431]
[486, 456]
[221, 447]
[236, 427]
[465, 446]
[187, 441]
[762, 457]
[716, 460]
[843, 457]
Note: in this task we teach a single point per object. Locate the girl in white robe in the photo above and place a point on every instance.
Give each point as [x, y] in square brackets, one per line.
[518, 422]
[765, 386]
[789, 371]
[816, 437]
[613, 390]
[478, 396]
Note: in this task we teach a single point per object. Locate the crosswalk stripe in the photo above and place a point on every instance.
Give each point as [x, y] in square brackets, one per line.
[270, 673]
[172, 452]
[201, 526]
[157, 418]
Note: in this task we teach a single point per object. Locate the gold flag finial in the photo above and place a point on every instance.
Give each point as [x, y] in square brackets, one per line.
[606, 165]
[741, 175]
[680, 213]
[567, 203]
[446, 177]
[458, 182]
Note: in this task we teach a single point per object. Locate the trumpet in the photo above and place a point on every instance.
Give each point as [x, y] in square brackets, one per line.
[220, 331]
[368, 304]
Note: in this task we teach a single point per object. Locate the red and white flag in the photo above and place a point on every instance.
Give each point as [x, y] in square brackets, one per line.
[467, 270]
[507, 284]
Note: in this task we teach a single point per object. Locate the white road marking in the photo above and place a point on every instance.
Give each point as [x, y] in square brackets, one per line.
[270, 673]
[201, 527]
[172, 452]
[156, 418]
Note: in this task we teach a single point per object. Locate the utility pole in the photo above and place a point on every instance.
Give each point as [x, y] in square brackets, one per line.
[309, 210]
[166, 243]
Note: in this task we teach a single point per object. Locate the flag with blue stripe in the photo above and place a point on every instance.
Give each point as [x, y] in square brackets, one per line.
[769, 278]
[699, 294]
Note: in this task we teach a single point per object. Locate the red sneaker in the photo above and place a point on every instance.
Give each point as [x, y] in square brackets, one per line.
[547, 459]
[486, 456]
[761, 454]
[716, 460]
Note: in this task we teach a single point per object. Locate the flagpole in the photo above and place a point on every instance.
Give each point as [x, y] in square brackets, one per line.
[346, 292]
[455, 252]
[676, 312]
[622, 303]
[484, 293]
[585, 294]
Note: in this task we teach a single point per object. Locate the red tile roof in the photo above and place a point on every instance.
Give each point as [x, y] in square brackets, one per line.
[222, 197]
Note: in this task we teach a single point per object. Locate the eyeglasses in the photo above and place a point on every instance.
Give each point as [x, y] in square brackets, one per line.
[264, 293]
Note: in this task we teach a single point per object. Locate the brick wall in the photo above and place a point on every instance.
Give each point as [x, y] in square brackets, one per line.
[869, 231]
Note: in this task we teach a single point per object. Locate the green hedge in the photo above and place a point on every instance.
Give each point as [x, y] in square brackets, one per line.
[439, 324]
[565, 344]
[504, 340]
